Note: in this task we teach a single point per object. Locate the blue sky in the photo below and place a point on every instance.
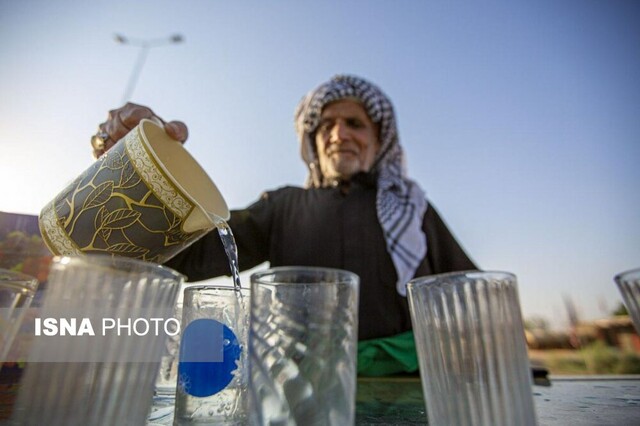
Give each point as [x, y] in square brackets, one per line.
[520, 119]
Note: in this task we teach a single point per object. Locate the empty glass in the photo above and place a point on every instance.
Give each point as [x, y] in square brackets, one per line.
[471, 348]
[303, 346]
[629, 286]
[16, 293]
[98, 342]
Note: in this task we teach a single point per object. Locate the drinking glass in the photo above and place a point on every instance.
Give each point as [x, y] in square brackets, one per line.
[212, 372]
[167, 378]
[471, 348]
[16, 293]
[629, 286]
[303, 346]
[96, 352]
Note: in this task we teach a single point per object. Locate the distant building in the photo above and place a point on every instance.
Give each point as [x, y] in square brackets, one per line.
[616, 331]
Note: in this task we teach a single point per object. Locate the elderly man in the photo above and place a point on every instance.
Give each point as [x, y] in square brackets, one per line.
[358, 211]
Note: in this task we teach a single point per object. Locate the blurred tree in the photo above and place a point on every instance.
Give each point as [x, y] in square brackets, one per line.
[536, 323]
[621, 310]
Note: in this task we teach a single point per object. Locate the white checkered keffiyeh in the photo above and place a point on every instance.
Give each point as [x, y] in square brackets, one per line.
[400, 202]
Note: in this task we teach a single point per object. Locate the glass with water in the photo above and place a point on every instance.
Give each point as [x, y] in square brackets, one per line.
[212, 372]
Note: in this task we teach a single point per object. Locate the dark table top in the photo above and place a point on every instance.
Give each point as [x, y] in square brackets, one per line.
[568, 401]
[584, 401]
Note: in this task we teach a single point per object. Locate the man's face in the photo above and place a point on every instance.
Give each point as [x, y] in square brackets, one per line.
[346, 140]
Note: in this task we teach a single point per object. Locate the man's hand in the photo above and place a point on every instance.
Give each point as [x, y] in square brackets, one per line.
[120, 121]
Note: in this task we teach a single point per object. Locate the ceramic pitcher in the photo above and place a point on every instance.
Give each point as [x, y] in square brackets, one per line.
[146, 198]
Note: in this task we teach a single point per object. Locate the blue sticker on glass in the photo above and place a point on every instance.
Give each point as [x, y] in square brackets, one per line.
[209, 354]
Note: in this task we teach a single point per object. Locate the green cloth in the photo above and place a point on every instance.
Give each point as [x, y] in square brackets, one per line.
[388, 355]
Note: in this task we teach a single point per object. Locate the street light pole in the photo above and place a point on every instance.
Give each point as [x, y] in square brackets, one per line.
[145, 46]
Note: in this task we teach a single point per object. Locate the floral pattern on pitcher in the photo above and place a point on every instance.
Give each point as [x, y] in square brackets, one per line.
[124, 204]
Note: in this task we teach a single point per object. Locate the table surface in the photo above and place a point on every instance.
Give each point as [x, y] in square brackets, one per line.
[580, 400]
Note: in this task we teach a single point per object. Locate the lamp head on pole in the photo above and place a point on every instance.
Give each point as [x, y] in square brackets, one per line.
[119, 38]
[173, 39]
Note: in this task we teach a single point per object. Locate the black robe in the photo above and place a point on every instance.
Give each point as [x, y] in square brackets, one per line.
[333, 227]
